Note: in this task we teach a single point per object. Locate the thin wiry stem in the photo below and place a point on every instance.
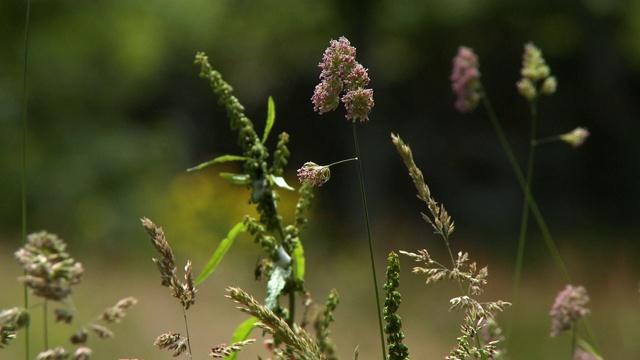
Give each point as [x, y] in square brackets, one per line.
[533, 205]
[186, 326]
[371, 256]
[524, 221]
[24, 163]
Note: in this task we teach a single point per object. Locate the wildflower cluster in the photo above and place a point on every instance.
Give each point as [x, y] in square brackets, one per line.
[314, 174]
[465, 80]
[535, 70]
[463, 272]
[185, 292]
[568, 308]
[342, 73]
[49, 270]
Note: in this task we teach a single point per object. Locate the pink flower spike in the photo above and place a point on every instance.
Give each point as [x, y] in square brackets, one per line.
[465, 80]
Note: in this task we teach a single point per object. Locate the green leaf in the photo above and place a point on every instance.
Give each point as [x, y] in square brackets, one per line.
[237, 179]
[220, 252]
[218, 160]
[275, 285]
[271, 118]
[242, 333]
[298, 261]
[279, 181]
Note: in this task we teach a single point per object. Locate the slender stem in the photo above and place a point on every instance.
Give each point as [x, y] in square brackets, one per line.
[533, 205]
[186, 326]
[551, 245]
[342, 161]
[547, 139]
[45, 320]
[371, 256]
[24, 163]
[524, 221]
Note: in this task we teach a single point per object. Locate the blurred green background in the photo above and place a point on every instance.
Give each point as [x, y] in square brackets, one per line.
[117, 112]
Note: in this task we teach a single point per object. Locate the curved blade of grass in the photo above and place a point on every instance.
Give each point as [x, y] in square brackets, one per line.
[241, 334]
[280, 182]
[220, 252]
[218, 160]
[237, 179]
[271, 119]
[298, 261]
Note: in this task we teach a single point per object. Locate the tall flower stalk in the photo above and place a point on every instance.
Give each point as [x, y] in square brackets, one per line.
[343, 79]
[535, 81]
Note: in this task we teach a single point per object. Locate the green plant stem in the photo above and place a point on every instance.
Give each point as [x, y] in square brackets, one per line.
[533, 206]
[45, 320]
[186, 326]
[342, 161]
[27, 337]
[371, 255]
[524, 221]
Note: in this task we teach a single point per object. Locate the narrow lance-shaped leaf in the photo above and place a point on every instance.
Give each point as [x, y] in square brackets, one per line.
[237, 179]
[298, 261]
[218, 160]
[241, 334]
[220, 252]
[280, 182]
[271, 118]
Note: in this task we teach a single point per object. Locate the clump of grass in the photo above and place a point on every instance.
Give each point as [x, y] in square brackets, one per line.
[465, 273]
[49, 273]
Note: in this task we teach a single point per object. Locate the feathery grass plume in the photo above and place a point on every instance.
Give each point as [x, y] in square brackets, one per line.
[223, 350]
[173, 342]
[568, 307]
[534, 69]
[465, 80]
[397, 349]
[11, 320]
[576, 137]
[314, 174]
[185, 292]
[327, 348]
[58, 353]
[297, 342]
[114, 314]
[49, 270]
[441, 221]
[342, 73]
[82, 353]
[463, 272]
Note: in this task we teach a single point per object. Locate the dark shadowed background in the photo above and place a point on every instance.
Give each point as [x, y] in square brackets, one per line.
[117, 112]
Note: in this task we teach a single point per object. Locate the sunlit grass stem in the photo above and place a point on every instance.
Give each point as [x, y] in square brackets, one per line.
[371, 255]
[533, 206]
[186, 326]
[27, 353]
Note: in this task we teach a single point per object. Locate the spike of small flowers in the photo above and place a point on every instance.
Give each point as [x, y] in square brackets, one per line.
[314, 174]
[342, 73]
[576, 137]
[568, 308]
[534, 69]
[465, 80]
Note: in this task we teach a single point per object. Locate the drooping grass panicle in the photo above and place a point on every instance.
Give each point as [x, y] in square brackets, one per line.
[49, 269]
[465, 80]
[440, 219]
[172, 342]
[183, 291]
[568, 307]
[397, 349]
[115, 314]
[298, 342]
[223, 350]
[12, 320]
